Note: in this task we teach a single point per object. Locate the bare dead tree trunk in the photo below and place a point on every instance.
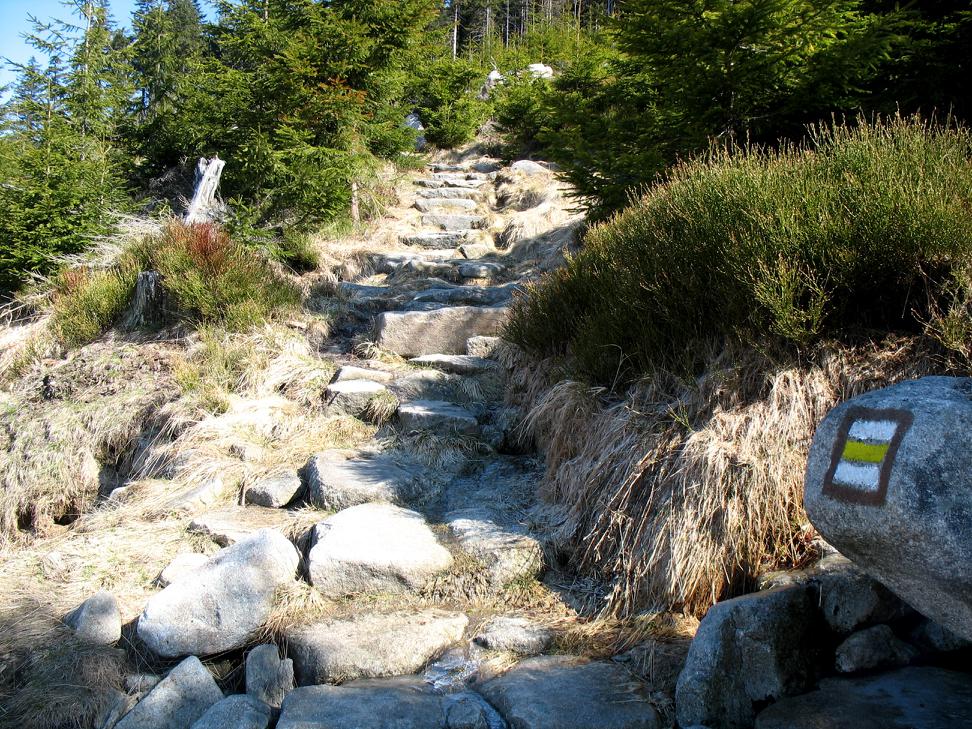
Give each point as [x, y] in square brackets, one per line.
[355, 211]
[148, 303]
[204, 208]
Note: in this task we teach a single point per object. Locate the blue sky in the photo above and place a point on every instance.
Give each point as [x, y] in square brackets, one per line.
[14, 23]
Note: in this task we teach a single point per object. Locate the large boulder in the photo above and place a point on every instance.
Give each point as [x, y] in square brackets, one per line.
[374, 705]
[438, 416]
[889, 484]
[339, 479]
[224, 603]
[911, 698]
[507, 551]
[560, 692]
[97, 619]
[444, 331]
[374, 548]
[372, 646]
[177, 700]
[749, 651]
[236, 712]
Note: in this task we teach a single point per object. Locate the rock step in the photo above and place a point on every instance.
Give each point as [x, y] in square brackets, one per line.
[476, 250]
[507, 550]
[351, 372]
[236, 523]
[443, 181]
[446, 330]
[479, 270]
[339, 479]
[439, 167]
[352, 396]
[441, 192]
[436, 240]
[449, 203]
[391, 262]
[372, 646]
[456, 364]
[468, 295]
[455, 222]
[438, 416]
[374, 548]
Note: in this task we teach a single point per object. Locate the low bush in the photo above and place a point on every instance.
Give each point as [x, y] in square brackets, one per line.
[867, 228]
[448, 104]
[206, 276]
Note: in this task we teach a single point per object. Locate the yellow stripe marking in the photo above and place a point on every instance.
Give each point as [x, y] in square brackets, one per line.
[855, 450]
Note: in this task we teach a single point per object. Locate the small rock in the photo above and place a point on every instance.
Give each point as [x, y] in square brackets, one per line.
[457, 364]
[275, 491]
[466, 713]
[446, 330]
[529, 167]
[485, 347]
[438, 416]
[487, 165]
[177, 701]
[372, 646]
[876, 647]
[748, 651]
[268, 677]
[236, 523]
[236, 712]
[200, 497]
[476, 250]
[910, 698]
[537, 70]
[560, 692]
[97, 619]
[516, 634]
[887, 477]
[183, 564]
[337, 480]
[850, 599]
[479, 270]
[352, 396]
[374, 548]
[375, 705]
[222, 605]
[507, 550]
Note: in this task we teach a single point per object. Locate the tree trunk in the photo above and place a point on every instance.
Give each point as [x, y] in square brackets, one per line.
[148, 303]
[204, 208]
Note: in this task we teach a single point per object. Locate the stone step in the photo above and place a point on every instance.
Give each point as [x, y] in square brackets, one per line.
[438, 416]
[438, 167]
[235, 523]
[507, 550]
[456, 364]
[476, 250]
[372, 646]
[374, 548]
[445, 331]
[443, 181]
[352, 396]
[479, 270]
[468, 295]
[351, 372]
[391, 262]
[440, 192]
[435, 241]
[454, 223]
[339, 479]
[446, 203]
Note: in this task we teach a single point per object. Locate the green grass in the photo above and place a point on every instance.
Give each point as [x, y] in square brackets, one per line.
[866, 229]
[207, 278]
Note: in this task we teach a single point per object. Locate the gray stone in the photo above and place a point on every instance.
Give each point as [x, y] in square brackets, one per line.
[469, 295]
[466, 713]
[529, 167]
[449, 192]
[374, 548]
[350, 372]
[435, 205]
[876, 647]
[480, 270]
[906, 520]
[487, 165]
[515, 634]
[372, 646]
[223, 605]
[436, 240]
[508, 552]
[376, 705]
[850, 599]
[338, 479]
[476, 250]
[930, 637]
[455, 222]
[393, 262]
[457, 364]
[445, 331]
[559, 692]
[268, 677]
[115, 705]
[199, 497]
[486, 347]
[141, 683]
[352, 396]
[748, 651]
[183, 564]
[236, 712]
[438, 416]
[177, 700]
[274, 491]
[97, 619]
[910, 698]
[236, 523]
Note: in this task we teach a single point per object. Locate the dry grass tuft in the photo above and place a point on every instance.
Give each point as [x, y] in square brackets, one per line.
[682, 493]
[381, 408]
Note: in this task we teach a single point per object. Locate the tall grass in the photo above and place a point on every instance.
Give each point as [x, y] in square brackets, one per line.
[865, 228]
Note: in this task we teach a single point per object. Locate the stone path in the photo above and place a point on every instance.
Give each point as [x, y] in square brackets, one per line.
[422, 535]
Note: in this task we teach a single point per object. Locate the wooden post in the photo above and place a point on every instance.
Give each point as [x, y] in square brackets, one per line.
[203, 204]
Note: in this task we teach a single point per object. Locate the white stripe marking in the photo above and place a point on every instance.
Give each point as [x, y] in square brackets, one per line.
[858, 475]
[873, 430]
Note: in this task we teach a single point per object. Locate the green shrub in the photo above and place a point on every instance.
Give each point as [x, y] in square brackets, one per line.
[87, 302]
[865, 228]
[448, 104]
[521, 111]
